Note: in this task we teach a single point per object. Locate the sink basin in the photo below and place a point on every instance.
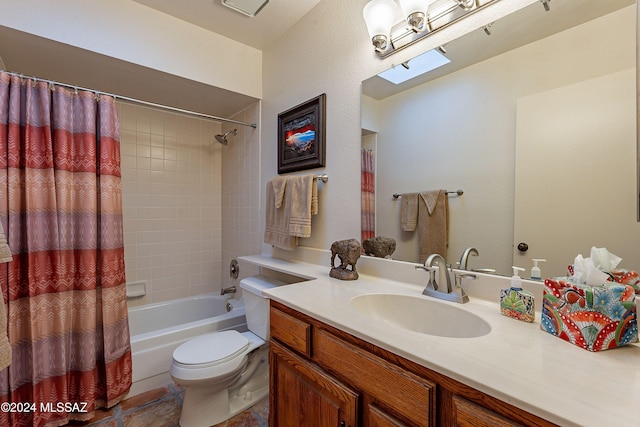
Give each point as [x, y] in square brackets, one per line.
[421, 314]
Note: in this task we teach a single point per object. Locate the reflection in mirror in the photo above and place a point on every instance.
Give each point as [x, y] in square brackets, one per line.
[535, 122]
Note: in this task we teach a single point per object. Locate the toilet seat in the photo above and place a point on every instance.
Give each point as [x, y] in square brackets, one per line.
[211, 349]
[215, 357]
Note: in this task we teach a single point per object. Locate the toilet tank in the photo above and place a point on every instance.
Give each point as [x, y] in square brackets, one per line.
[256, 304]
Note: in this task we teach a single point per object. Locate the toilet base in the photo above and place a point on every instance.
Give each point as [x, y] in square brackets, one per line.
[201, 408]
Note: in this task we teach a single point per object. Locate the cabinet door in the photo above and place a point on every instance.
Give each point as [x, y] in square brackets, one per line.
[304, 395]
[376, 417]
[468, 414]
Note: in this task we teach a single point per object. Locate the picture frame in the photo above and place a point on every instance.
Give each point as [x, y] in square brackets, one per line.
[301, 136]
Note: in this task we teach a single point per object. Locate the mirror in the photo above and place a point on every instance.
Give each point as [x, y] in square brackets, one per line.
[490, 123]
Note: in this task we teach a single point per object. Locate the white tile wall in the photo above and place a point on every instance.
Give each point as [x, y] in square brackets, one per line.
[241, 193]
[172, 202]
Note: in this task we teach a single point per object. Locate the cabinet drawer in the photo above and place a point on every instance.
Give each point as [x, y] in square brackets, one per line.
[294, 333]
[400, 392]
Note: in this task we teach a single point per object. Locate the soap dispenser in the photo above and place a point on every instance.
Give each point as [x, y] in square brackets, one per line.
[515, 302]
[536, 274]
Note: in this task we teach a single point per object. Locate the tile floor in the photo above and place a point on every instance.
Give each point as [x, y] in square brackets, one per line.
[161, 408]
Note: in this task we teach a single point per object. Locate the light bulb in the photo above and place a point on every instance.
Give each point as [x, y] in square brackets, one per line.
[379, 16]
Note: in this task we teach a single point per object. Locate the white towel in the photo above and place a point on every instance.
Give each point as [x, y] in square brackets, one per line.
[304, 189]
[277, 215]
[279, 184]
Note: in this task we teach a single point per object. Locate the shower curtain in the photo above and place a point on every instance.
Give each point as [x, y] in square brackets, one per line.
[64, 290]
[368, 202]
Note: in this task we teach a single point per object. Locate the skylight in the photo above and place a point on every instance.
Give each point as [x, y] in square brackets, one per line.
[414, 67]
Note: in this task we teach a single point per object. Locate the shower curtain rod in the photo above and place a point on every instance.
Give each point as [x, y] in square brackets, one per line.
[136, 101]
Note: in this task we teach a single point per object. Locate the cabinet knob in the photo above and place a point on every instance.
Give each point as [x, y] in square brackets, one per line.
[523, 247]
[342, 424]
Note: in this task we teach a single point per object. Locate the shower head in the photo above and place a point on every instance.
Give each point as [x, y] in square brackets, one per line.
[222, 138]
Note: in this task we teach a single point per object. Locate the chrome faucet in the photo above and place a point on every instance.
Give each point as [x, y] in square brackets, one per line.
[229, 290]
[464, 259]
[455, 294]
[443, 272]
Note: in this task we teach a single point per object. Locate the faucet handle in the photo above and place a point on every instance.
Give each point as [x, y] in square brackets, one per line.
[432, 276]
[460, 276]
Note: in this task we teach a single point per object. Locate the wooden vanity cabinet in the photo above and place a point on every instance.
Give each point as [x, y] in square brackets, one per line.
[303, 393]
[321, 376]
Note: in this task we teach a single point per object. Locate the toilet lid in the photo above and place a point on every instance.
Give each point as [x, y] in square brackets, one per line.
[215, 347]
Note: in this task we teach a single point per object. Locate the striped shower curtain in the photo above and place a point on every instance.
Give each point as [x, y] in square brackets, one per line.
[368, 202]
[60, 205]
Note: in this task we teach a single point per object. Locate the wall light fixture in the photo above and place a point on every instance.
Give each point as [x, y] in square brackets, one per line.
[422, 18]
[379, 16]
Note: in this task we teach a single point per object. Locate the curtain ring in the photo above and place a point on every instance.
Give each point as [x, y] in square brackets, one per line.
[52, 87]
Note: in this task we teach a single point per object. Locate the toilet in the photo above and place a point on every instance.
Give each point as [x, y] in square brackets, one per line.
[225, 372]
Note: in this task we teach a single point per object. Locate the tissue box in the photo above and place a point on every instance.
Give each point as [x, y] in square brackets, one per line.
[627, 277]
[595, 318]
[619, 275]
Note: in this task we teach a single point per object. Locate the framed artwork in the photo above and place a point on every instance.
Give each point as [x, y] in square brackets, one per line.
[301, 136]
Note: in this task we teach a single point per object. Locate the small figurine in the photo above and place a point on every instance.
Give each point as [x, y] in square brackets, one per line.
[349, 252]
[379, 246]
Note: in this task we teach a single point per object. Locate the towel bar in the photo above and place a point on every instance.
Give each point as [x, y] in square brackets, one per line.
[458, 192]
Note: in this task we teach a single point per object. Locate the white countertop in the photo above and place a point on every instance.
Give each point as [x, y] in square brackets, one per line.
[516, 362]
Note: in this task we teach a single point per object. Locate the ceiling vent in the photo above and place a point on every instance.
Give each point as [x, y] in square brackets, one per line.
[246, 7]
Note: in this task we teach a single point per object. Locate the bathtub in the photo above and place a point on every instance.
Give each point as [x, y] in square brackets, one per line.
[157, 329]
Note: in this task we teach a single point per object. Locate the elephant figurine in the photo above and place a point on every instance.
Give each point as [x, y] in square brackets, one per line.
[349, 252]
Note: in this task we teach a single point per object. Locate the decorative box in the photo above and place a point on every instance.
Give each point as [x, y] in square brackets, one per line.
[595, 318]
[620, 275]
[626, 277]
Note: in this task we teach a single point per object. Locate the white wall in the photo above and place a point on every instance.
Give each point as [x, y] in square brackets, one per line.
[129, 31]
[329, 51]
[593, 181]
[240, 194]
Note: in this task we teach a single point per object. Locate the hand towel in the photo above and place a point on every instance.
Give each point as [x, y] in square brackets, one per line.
[302, 195]
[433, 223]
[408, 211]
[279, 184]
[5, 346]
[277, 215]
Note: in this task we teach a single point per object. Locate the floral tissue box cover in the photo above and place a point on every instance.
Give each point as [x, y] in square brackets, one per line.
[594, 318]
[620, 275]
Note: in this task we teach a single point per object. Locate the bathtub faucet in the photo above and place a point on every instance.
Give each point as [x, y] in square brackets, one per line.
[229, 290]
